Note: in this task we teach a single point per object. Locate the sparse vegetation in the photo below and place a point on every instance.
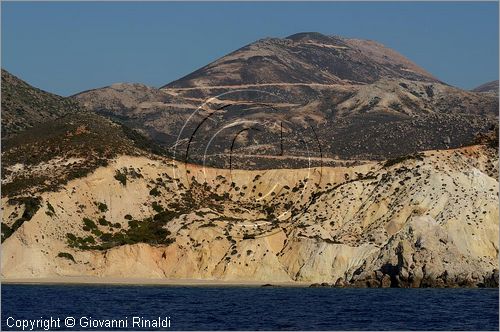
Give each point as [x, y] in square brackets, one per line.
[149, 230]
[103, 222]
[209, 224]
[360, 205]
[83, 135]
[154, 192]
[394, 161]
[121, 177]
[31, 206]
[50, 210]
[67, 256]
[157, 207]
[101, 206]
[89, 224]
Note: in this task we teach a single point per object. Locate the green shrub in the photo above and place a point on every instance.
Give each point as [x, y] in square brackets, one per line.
[157, 207]
[6, 232]
[394, 161]
[106, 237]
[165, 216]
[67, 256]
[128, 217]
[89, 223]
[103, 222]
[149, 230]
[89, 239]
[154, 192]
[50, 210]
[71, 237]
[97, 232]
[31, 206]
[102, 206]
[121, 177]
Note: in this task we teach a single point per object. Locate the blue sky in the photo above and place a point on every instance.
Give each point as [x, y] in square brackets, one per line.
[69, 47]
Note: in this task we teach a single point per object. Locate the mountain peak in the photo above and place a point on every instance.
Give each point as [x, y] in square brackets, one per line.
[489, 87]
[309, 36]
[306, 57]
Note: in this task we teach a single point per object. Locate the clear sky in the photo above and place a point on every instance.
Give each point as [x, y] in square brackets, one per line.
[69, 47]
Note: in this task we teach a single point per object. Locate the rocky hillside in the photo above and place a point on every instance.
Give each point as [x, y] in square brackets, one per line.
[426, 220]
[490, 87]
[281, 103]
[61, 142]
[24, 106]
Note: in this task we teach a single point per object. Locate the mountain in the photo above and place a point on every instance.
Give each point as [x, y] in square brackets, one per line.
[24, 106]
[491, 87]
[307, 98]
[48, 140]
[306, 58]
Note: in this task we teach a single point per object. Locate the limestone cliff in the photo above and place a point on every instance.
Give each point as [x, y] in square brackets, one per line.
[430, 219]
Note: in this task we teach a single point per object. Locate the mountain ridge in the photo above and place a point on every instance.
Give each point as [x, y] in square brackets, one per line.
[491, 87]
[24, 106]
[302, 83]
[344, 51]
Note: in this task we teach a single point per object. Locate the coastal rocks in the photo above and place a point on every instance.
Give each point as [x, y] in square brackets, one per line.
[491, 281]
[340, 283]
[319, 285]
[423, 255]
[386, 281]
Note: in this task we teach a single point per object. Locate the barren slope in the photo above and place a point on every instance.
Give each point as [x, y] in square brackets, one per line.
[305, 58]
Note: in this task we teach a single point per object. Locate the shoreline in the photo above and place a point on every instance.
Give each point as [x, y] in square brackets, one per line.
[146, 282]
[113, 281]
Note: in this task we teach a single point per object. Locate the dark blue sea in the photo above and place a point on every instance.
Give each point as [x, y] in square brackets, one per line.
[249, 308]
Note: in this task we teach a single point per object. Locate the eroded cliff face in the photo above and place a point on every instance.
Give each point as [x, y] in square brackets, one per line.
[426, 220]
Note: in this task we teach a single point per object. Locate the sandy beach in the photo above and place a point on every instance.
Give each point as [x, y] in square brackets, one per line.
[84, 280]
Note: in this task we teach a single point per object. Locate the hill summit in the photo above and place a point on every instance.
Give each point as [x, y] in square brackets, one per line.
[308, 57]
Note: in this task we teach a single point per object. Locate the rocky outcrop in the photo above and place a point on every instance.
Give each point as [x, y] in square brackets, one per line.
[424, 259]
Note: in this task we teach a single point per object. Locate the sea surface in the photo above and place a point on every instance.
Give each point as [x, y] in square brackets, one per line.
[250, 308]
